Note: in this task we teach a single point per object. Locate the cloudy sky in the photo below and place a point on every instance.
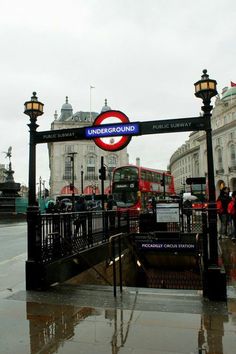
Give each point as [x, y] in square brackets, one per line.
[143, 56]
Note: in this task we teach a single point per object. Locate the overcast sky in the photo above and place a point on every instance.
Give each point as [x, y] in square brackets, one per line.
[143, 56]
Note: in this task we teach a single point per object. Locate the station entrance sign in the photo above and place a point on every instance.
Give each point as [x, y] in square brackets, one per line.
[112, 130]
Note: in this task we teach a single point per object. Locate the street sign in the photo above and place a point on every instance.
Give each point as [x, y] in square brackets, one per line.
[112, 138]
[173, 125]
[196, 180]
[108, 130]
[59, 135]
[112, 130]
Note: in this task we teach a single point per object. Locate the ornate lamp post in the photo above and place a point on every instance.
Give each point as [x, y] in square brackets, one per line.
[214, 276]
[206, 89]
[33, 109]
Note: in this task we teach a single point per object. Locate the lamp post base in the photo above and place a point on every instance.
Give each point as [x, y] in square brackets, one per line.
[214, 284]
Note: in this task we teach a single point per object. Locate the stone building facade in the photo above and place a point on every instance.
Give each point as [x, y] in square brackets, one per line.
[2, 173]
[190, 159]
[79, 161]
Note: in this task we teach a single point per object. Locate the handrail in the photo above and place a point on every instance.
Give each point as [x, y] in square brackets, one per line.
[112, 240]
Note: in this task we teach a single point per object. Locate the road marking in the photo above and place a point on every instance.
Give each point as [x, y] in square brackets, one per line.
[16, 258]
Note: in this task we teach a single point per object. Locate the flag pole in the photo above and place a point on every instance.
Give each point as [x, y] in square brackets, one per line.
[90, 103]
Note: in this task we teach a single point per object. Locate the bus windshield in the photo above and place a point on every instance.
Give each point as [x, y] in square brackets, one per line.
[125, 198]
[128, 173]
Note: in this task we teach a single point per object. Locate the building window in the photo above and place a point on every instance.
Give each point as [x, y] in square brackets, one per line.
[219, 159]
[112, 161]
[91, 160]
[231, 136]
[91, 148]
[68, 168]
[69, 149]
[232, 155]
[91, 173]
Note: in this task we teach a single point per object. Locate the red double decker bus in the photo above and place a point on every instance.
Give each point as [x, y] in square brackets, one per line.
[133, 187]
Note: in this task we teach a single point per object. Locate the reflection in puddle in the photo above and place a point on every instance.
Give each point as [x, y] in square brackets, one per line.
[53, 327]
[229, 259]
[211, 333]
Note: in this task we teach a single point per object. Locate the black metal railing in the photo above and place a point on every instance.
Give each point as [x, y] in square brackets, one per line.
[64, 234]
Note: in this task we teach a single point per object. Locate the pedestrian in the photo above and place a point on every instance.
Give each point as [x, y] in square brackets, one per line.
[57, 206]
[111, 207]
[80, 204]
[80, 221]
[232, 213]
[154, 204]
[222, 209]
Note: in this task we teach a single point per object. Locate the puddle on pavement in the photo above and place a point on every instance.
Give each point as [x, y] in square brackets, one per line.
[54, 328]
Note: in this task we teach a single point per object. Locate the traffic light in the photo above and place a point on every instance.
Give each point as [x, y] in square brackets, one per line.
[163, 180]
[102, 173]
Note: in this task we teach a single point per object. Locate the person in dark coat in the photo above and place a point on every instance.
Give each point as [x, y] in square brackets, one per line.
[111, 207]
[80, 221]
[222, 209]
[80, 204]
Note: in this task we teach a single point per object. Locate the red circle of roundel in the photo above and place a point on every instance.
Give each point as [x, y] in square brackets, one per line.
[124, 140]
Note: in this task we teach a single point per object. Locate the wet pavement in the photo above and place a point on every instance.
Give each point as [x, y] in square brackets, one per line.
[88, 319]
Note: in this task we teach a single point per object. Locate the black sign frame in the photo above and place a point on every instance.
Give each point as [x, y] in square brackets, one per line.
[145, 128]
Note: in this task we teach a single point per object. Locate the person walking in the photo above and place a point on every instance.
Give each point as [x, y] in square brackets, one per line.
[222, 209]
[80, 221]
[232, 213]
[111, 207]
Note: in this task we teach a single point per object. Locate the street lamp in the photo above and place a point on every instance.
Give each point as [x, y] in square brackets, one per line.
[214, 280]
[33, 109]
[206, 89]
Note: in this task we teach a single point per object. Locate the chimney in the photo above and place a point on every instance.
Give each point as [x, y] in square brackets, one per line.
[138, 161]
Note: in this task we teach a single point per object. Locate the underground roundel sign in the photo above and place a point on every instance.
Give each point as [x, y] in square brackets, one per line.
[112, 130]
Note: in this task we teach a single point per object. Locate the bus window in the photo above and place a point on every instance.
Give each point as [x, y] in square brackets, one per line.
[143, 175]
[156, 178]
[128, 173]
[149, 176]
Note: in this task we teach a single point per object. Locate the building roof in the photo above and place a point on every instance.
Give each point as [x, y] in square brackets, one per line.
[80, 116]
[66, 110]
[228, 93]
[105, 108]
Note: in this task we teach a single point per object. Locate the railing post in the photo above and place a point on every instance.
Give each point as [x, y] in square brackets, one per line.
[114, 266]
[120, 264]
[90, 229]
[205, 240]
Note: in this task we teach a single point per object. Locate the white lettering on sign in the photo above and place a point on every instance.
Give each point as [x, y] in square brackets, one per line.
[175, 246]
[172, 125]
[110, 130]
[58, 135]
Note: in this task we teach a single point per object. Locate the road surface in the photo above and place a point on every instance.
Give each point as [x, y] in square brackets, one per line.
[13, 245]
